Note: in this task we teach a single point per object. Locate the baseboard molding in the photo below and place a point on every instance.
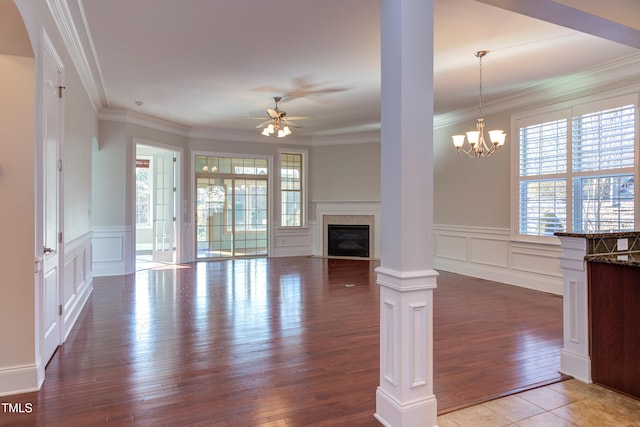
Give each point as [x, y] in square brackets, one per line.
[18, 379]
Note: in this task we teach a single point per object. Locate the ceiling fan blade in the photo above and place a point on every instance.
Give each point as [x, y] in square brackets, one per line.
[298, 117]
[293, 125]
[263, 124]
[273, 113]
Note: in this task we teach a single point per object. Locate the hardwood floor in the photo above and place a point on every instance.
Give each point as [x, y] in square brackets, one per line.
[278, 341]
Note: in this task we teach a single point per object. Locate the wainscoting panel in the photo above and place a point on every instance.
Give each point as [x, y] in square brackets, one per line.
[451, 246]
[113, 251]
[78, 280]
[489, 253]
[292, 241]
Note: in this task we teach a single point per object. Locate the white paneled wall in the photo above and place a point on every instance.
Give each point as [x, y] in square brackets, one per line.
[78, 280]
[113, 251]
[489, 253]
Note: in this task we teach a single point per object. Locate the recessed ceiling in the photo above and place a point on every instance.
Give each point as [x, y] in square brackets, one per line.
[218, 64]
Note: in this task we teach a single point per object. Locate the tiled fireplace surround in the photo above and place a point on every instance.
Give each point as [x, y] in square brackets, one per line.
[347, 212]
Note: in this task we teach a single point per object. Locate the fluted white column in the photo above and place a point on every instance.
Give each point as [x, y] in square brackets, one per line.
[406, 278]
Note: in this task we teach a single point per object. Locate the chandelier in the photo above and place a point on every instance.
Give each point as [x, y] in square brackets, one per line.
[478, 146]
[277, 122]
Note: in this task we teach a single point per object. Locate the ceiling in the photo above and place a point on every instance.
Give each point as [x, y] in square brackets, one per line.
[217, 64]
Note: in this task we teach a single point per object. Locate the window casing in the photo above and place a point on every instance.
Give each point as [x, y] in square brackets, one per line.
[576, 169]
[292, 188]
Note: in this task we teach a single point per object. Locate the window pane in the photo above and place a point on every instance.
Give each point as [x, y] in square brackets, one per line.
[604, 139]
[291, 189]
[143, 193]
[543, 148]
[543, 207]
[603, 204]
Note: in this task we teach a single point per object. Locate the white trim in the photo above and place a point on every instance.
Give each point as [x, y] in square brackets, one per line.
[305, 187]
[623, 71]
[63, 18]
[464, 250]
[78, 281]
[18, 379]
[178, 209]
[345, 207]
[113, 253]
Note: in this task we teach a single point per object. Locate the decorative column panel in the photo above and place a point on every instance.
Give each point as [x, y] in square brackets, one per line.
[574, 358]
[406, 278]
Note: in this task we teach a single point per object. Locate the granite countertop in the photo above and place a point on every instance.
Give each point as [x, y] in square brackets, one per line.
[621, 258]
[618, 234]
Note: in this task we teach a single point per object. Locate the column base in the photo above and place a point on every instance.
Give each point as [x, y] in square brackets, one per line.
[576, 365]
[390, 413]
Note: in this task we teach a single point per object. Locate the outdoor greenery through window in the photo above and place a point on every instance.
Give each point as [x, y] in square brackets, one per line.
[577, 169]
[291, 189]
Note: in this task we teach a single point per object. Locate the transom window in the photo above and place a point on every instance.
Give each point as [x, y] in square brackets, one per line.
[577, 169]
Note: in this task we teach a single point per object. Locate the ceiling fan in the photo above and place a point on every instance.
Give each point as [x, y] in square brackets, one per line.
[278, 123]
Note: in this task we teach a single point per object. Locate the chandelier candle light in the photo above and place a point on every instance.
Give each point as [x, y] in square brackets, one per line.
[478, 146]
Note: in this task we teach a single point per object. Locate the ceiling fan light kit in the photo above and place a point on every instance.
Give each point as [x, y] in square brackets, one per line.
[277, 124]
[478, 146]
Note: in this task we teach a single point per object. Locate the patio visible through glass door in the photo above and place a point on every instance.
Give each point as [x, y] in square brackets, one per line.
[231, 208]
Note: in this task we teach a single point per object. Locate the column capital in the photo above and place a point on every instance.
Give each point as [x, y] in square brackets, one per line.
[406, 280]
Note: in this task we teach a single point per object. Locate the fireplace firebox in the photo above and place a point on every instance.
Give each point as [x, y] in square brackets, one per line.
[348, 240]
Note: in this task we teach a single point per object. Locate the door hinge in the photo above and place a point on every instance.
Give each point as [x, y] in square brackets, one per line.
[60, 237]
[174, 219]
[175, 189]
[60, 310]
[60, 89]
[59, 164]
[174, 160]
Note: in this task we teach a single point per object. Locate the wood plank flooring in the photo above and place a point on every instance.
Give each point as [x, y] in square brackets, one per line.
[278, 341]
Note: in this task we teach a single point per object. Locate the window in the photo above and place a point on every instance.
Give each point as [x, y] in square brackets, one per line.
[577, 169]
[291, 189]
[143, 193]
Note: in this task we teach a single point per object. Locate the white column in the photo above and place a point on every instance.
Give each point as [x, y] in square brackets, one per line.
[574, 358]
[406, 278]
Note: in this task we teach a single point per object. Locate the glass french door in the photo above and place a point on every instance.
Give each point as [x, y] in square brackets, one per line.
[232, 216]
[164, 216]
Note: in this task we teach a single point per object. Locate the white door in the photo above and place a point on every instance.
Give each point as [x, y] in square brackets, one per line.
[50, 294]
[164, 217]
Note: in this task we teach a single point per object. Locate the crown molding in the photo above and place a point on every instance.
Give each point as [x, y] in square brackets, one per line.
[63, 18]
[133, 117]
[622, 72]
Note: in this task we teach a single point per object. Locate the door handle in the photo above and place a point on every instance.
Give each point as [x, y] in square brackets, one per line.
[47, 250]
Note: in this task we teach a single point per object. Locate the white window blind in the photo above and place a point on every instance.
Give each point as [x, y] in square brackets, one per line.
[543, 148]
[604, 139]
[577, 169]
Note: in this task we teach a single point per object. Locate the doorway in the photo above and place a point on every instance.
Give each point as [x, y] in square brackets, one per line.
[156, 201]
[231, 207]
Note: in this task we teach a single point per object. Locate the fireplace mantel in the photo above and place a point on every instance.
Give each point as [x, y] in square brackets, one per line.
[346, 208]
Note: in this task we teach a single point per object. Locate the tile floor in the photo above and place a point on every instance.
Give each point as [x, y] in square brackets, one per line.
[567, 403]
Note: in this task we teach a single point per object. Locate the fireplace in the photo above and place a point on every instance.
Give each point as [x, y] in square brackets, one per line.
[348, 240]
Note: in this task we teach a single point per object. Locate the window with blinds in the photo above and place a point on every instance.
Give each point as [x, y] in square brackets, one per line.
[577, 170]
